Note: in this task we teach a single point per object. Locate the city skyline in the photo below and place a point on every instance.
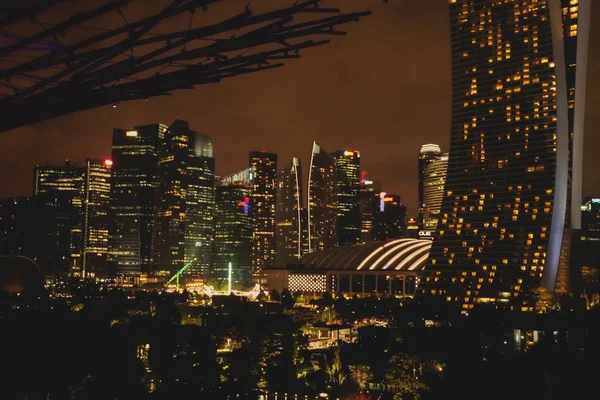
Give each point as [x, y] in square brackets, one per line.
[393, 103]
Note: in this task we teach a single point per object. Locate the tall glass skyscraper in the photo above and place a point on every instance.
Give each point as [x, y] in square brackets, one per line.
[183, 209]
[434, 182]
[347, 172]
[322, 205]
[263, 207]
[233, 229]
[134, 183]
[289, 214]
[96, 200]
[502, 224]
[58, 195]
[389, 217]
[428, 154]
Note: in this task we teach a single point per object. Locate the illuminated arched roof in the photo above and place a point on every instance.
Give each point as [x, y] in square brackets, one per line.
[398, 254]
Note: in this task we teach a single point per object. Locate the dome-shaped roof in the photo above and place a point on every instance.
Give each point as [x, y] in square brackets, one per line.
[398, 254]
[18, 274]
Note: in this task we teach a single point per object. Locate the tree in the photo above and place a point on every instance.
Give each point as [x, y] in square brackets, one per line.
[407, 373]
[335, 370]
[274, 295]
[287, 300]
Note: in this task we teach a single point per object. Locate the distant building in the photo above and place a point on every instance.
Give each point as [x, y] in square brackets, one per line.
[589, 246]
[289, 214]
[347, 173]
[367, 202]
[590, 219]
[134, 183]
[183, 212]
[389, 217]
[58, 197]
[264, 202]
[434, 181]
[321, 206]
[233, 228]
[96, 200]
[428, 154]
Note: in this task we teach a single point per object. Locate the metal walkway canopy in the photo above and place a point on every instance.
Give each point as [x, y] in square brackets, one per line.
[62, 56]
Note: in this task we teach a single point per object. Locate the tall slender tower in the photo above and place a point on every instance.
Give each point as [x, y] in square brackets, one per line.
[264, 203]
[289, 214]
[134, 183]
[322, 206]
[516, 93]
[233, 229]
[434, 182]
[183, 208]
[58, 195]
[96, 200]
[347, 172]
[428, 154]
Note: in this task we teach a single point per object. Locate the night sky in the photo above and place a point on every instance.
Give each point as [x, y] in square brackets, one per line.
[384, 89]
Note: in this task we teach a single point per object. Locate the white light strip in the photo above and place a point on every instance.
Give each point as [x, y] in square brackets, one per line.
[378, 250]
[406, 242]
[420, 261]
[410, 258]
[404, 252]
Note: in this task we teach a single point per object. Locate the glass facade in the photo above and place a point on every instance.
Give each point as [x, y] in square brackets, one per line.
[96, 219]
[264, 193]
[58, 195]
[289, 214]
[367, 202]
[428, 154]
[322, 206]
[434, 182]
[183, 208]
[233, 229]
[503, 210]
[134, 183]
[347, 173]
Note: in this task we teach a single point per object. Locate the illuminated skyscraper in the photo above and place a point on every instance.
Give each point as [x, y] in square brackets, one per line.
[389, 217]
[367, 203]
[233, 229]
[200, 206]
[434, 181]
[263, 208]
[347, 172]
[322, 206]
[183, 210]
[289, 214]
[428, 154]
[58, 195]
[501, 229]
[96, 200]
[134, 183]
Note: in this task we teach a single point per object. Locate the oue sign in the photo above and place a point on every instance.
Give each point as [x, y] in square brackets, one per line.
[426, 234]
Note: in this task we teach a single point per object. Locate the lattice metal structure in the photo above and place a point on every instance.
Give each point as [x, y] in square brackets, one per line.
[62, 56]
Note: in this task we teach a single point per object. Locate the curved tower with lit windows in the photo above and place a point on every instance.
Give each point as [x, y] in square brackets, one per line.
[513, 189]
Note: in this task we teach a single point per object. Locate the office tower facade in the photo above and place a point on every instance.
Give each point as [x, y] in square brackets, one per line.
[200, 206]
[58, 197]
[347, 172]
[367, 202]
[18, 227]
[264, 202]
[590, 219]
[389, 217]
[183, 207]
[428, 154]
[434, 181]
[288, 222]
[504, 210]
[321, 204]
[96, 220]
[233, 229]
[134, 183]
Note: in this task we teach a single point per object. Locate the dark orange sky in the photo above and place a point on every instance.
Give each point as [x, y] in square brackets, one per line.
[384, 89]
